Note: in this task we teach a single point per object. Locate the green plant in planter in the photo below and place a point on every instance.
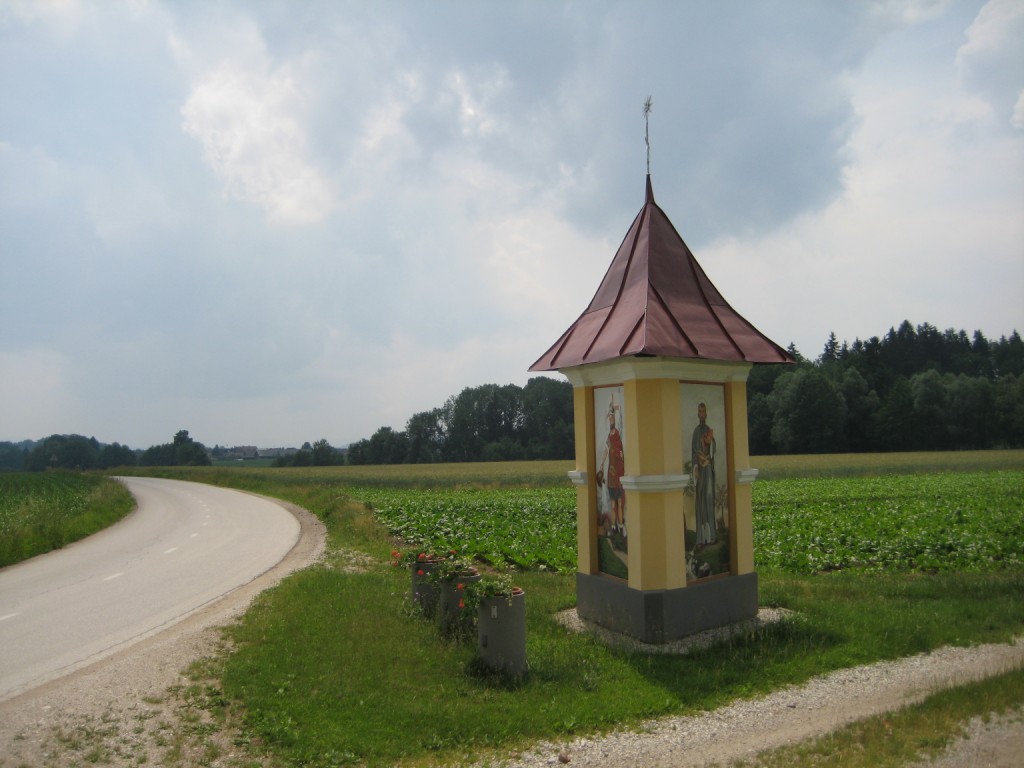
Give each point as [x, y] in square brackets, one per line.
[488, 587]
[413, 557]
[451, 577]
[421, 565]
[450, 567]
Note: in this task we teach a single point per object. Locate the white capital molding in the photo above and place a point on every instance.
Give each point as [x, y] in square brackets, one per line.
[655, 483]
[578, 476]
[746, 476]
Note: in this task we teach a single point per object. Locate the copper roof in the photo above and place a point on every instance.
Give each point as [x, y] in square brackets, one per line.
[656, 300]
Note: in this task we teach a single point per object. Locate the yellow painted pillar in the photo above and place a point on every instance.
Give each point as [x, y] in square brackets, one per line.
[654, 516]
[585, 479]
[740, 477]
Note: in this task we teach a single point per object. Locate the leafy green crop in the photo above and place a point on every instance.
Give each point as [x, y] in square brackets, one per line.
[939, 522]
[524, 527]
[36, 498]
[40, 511]
[919, 522]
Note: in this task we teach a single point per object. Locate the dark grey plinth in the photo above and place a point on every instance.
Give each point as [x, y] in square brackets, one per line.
[664, 615]
[501, 633]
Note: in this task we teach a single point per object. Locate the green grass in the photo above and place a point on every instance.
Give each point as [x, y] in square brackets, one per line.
[392, 689]
[43, 511]
[865, 464]
[239, 463]
[333, 667]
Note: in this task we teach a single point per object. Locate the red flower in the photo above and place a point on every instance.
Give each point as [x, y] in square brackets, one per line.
[421, 556]
[462, 604]
[460, 586]
[394, 553]
[419, 572]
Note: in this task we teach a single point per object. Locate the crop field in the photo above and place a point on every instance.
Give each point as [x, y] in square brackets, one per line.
[523, 527]
[41, 511]
[917, 522]
[962, 521]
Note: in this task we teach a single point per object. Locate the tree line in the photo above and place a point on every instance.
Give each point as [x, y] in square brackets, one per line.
[79, 452]
[484, 423]
[913, 389]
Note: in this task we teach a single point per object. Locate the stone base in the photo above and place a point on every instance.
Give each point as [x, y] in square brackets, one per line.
[665, 615]
[765, 618]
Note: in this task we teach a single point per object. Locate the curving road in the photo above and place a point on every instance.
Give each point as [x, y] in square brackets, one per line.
[185, 546]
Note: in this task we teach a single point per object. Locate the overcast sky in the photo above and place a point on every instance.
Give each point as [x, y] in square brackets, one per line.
[273, 222]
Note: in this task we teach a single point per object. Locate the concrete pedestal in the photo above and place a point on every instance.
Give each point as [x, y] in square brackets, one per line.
[664, 615]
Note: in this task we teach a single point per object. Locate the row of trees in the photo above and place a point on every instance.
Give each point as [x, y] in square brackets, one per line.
[319, 454]
[78, 452]
[66, 452]
[183, 451]
[485, 423]
[913, 389]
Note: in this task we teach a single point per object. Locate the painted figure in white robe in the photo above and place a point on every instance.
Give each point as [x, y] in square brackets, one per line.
[702, 447]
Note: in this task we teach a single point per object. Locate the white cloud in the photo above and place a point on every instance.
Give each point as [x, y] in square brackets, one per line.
[247, 115]
[474, 97]
[908, 11]
[542, 270]
[62, 16]
[1017, 121]
[995, 29]
[991, 61]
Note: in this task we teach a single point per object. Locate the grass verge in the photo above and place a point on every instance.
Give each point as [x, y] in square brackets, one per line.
[334, 668]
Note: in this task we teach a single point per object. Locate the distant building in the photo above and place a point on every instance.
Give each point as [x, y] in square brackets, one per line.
[273, 453]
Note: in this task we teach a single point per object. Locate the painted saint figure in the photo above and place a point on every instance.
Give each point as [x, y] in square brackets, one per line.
[703, 467]
[613, 475]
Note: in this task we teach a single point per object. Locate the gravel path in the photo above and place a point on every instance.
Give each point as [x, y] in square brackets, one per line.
[139, 707]
[794, 714]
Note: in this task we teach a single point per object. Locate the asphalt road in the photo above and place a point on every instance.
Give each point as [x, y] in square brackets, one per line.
[185, 546]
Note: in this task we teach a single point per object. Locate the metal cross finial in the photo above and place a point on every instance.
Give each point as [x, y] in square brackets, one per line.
[647, 137]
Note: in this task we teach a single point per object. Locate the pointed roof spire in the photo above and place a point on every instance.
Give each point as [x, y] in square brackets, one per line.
[648, 104]
[656, 300]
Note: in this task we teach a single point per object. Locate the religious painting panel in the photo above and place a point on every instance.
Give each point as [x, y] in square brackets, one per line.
[706, 499]
[612, 543]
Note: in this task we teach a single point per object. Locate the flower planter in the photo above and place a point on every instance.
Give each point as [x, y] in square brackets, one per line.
[501, 632]
[450, 608]
[424, 591]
